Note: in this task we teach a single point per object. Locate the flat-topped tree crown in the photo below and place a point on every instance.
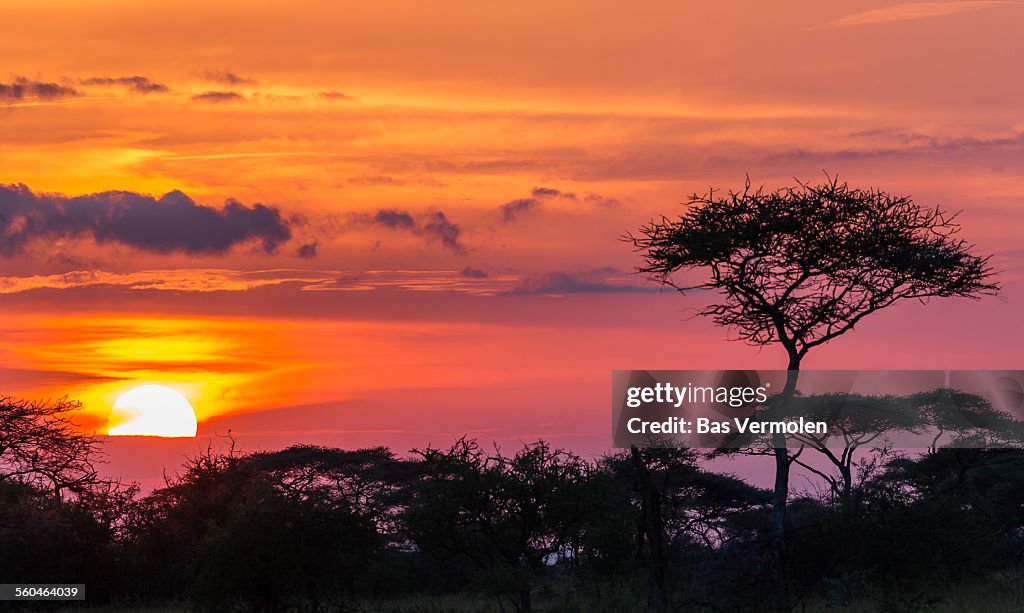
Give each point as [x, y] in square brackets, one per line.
[802, 265]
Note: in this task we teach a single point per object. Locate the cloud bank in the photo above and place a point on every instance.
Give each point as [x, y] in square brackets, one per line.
[172, 223]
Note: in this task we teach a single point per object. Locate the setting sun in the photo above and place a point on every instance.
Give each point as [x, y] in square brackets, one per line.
[152, 410]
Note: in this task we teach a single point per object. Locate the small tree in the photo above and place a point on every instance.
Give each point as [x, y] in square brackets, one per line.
[41, 446]
[855, 421]
[802, 265]
[970, 420]
[678, 502]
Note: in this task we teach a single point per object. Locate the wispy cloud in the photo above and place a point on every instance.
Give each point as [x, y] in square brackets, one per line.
[908, 143]
[228, 77]
[908, 11]
[137, 84]
[27, 89]
[465, 281]
[176, 280]
[375, 180]
[335, 96]
[601, 281]
[473, 273]
[511, 210]
[218, 97]
[515, 209]
[204, 280]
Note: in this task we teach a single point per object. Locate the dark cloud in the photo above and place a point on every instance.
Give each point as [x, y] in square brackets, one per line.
[230, 78]
[172, 223]
[598, 200]
[510, 211]
[436, 226]
[218, 97]
[514, 209]
[550, 192]
[576, 283]
[473, 273]
[393, 218]
[21, 88]
[432, 225]
[308, 251]
[335, 96]
[137, 84]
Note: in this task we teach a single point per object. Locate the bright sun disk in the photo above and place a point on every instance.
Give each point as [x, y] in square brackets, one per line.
[152, 410]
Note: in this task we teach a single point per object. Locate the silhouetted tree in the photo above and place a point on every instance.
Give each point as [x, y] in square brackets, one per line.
[510, 515]
[854, 421]
[40, 445]
[59, 520]
[369, 481]
[956, 512]
[227, 534]
[44, 539]
[652, 525]
[803, 265]
[678, 503]
[968, 419]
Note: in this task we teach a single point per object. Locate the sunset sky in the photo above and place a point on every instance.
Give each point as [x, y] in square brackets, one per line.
[399, 222]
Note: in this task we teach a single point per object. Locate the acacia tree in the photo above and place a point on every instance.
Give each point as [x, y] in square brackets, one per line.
[802, 265]
[968, 419]
[40, 445]
[855, 421]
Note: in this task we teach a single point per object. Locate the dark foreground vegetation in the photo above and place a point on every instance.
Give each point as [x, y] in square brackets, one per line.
[473, 528]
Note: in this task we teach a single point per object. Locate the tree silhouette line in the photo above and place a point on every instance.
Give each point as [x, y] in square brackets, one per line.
[320, 528]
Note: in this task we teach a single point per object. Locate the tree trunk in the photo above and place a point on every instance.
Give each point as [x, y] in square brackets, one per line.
[525, 603]
[847, 472]
[641, 534]
[783, 600]
[657, 597]
[780, 494]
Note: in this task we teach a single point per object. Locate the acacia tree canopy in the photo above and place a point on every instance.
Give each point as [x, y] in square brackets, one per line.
[802, 265]
[40, 445]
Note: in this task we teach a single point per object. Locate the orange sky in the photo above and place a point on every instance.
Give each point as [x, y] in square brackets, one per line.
[447, 187]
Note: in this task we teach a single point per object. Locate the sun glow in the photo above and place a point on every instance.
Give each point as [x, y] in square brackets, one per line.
[152, 410]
